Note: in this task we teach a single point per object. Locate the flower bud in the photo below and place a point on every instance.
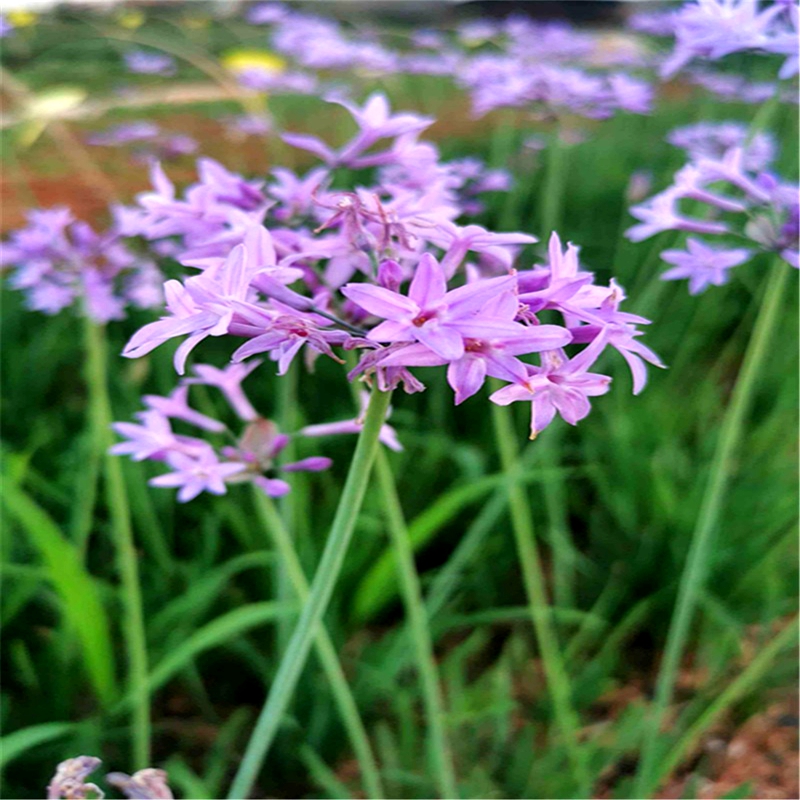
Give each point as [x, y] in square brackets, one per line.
[390, 275]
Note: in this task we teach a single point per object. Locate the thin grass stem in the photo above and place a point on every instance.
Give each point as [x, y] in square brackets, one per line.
[441, 753]
[743, 683]
[127, 559]
[522, 525]
[699, 555]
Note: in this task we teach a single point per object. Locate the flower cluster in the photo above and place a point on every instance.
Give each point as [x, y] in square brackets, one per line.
[58, 261]
[196, 465]
[712, 140]
[527, 80]
[713, 29]
[731, 88]
[547, 67]
[69, 782]
[327, 276]
[727, 176]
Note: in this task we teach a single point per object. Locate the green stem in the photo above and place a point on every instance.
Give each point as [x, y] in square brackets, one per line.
[286, 415]
[555, 500]
[764, 115]
[127, 559]
[696, 566]
[420, 634]
[322, 587]
[553, 185]
[86, 484]
[326, 651]
[533, 578]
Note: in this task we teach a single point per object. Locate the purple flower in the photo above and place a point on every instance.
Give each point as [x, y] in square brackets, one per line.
[285, 332]
[430, 314]
[221, 207]
[58, 261]
[631, 94]
[375, 122]
[656, 23]
[560, 284]
[387, 436]
[250, 124]
[229, 382]
[152, 439]
[146, 784]
[193, 318]
[713, 139]
[618, 329]
[266, 13]
[785, 43]
[176, 406]
[197, 465]
[731, 168]
[69, 782]
[148, 62]
[764, 211]
[125, 133]
[702, 264]
[295, 195]
[713, 29]
[660, 213]
[331, 273]
[473, 238]
[561, 385]
[193, 474]
[207, 304]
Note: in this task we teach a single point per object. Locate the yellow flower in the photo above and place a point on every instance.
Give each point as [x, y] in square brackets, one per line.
[238, 61]
[21, 18]
[131, 19]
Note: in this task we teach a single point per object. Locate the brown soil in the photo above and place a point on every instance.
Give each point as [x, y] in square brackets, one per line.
[761, 753]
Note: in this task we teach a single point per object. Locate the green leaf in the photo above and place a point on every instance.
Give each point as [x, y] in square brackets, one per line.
[215, 633]
[19, 742]
[202, 593]
[379, 586]
[83, 611]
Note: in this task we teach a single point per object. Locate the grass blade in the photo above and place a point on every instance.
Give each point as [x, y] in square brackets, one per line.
[697, 560]
[420, 633]
[83, 610]
[533, 578]
[127, 559]
[15, 744]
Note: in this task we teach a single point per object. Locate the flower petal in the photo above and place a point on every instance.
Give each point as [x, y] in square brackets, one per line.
[429, 283]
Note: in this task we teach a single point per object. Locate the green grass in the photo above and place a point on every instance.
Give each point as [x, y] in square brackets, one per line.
[613, 506]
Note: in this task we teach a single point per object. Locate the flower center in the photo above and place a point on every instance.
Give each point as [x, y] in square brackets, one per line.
[474, 346]
[422, 318]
